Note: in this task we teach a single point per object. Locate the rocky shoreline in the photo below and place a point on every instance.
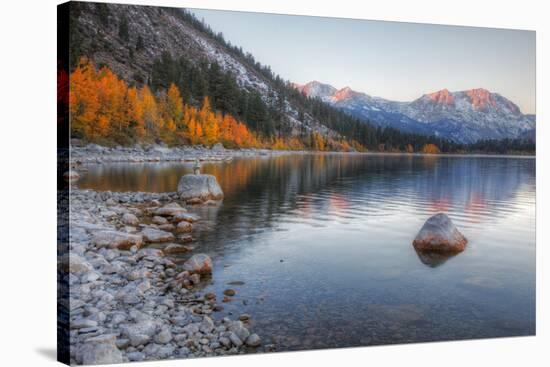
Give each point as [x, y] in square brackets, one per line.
[92, 153]
[96, 154]
[132, 302]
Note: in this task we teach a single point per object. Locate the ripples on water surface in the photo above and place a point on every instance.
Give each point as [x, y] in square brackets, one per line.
[323, 244]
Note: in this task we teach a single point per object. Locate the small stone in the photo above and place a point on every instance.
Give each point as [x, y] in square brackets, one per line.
[225, 342]
[83, 323]
[135, 356]
[253, 340]
[174, 248]
[195, 278]
[99, 350]
[78, 265]
[235, 339]
[139, 339]
[167, 227]
[164, 337]
[159, 220]
[184, 227]
[207, 325]
[229, 292]
[114, 239]
[244, 317]
[187, 217]
[155, 235]
[169, 210]
[130, 219]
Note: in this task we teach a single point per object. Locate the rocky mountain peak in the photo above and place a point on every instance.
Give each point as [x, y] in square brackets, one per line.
[343, 94]
[315, 89]
[481, 98]
[442, 97]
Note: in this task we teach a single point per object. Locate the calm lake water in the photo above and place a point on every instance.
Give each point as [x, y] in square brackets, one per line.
[323, 244]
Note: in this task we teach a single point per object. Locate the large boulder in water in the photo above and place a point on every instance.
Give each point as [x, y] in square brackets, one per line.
[439, 234]
[203, 187]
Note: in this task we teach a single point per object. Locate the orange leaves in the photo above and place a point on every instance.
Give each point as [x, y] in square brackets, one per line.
[83, 98]
[318, 142]
[430, 149]
[103, 108]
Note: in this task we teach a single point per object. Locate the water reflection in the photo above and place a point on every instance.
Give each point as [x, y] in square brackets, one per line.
[434, 259]
[343, 226]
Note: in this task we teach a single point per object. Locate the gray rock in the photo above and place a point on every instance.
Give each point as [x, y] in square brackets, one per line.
[184, 227]
[145, 326]
[439, 234]
[115, 239]
[135, 356]
[199, 263]
[169, 210]
[164, 337]
[99, 350]
[174, 248]
[165, 351]
[187, 217]
[235, 339]
[130, 219]
[225, 342]
[253, 340]
[83, 323]
[155, 235]
[238, 328]
[79, 265]
[139, 339]
[203, 187]
[91, 276]
[159, 220]
[207, 325]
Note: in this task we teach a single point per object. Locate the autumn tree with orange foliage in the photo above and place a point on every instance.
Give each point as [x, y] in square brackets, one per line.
[430, 149]
[103, 108]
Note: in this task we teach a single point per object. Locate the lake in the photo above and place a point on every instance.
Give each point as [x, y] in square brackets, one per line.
[319, 246]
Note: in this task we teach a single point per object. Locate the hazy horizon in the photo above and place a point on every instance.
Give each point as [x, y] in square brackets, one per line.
[393, 60]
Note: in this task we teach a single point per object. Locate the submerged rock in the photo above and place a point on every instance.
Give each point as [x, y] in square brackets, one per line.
[439, 234]
[203, 187]
[199, 263]
[174, 248]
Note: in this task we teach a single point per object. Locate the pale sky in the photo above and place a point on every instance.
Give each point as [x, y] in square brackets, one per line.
[397, 61]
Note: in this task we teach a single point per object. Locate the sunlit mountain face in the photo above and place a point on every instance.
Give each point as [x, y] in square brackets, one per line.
[463, 116]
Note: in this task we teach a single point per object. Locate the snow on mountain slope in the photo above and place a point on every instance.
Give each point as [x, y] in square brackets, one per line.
[464, 116]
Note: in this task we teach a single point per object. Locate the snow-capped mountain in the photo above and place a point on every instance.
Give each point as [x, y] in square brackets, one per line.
[464, 116]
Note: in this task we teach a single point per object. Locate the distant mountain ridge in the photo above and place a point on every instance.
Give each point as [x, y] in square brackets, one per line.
[462, 116]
